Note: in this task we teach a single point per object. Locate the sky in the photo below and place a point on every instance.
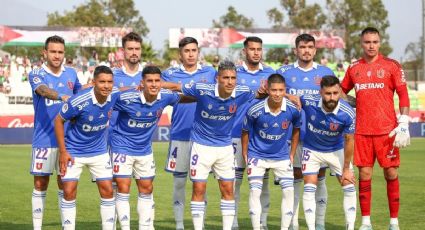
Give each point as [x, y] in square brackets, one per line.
[404, 16]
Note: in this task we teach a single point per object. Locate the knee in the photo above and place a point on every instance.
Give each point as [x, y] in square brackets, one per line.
[41, 183]
[390, 173]
[146, 189]
[365, 173]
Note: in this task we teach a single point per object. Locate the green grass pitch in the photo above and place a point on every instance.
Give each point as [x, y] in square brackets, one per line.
[16, 187]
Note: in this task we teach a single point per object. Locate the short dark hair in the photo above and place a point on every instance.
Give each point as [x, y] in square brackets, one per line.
[187, 40]
[151, 69]
[275, 78]
[328, 81]
[54, 39]
[101, 69]
[304, 38]
[369, 30]
[226, 65]
[131, 37]
[252, 39]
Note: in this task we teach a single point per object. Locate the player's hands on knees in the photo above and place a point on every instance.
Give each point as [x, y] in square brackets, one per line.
[64, 160]
[348, 175]
[401, 132]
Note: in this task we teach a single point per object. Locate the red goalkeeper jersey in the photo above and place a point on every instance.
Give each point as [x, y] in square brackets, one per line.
[375, 84]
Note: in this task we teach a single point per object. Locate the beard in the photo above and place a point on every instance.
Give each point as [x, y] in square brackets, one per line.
[330, 105]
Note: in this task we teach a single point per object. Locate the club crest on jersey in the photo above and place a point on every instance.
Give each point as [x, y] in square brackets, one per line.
[293, 79]
[51, 85]
[138, 114]
[313, 117]
[70, 84]
[369, 73]
[121, 84]
[317, 80]
[243, 81]
[90, 118]
[265, 125]
[210, 106]
[232, 108]
[333, 126]
[380, 73]
[285, 124]
[158, 113]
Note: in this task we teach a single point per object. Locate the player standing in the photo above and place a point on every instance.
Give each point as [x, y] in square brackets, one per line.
[252, 73]
[189, 72]
[329, 140]
[379, 134]
[131, 144]
[303, 78]
[51, 85]
[84, 143]
[266, 127]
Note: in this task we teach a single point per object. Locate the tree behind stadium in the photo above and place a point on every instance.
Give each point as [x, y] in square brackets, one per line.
[97, 13]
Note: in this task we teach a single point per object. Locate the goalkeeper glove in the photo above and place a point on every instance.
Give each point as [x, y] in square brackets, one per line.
[401, 132]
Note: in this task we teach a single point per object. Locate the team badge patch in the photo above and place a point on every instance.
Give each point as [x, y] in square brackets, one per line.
[90, 118]
[232, 108]
[210, 106]
[293, 79]
[313, 117]
[138, 114]
[70, 85]
[333, 126]
[380, 73]
[317, 80]
[285, 124]
[158, 113]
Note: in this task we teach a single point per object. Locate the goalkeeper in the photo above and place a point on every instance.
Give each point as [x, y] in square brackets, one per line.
[378, 134]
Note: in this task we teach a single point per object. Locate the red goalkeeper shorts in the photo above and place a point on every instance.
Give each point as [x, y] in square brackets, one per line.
[367, 148]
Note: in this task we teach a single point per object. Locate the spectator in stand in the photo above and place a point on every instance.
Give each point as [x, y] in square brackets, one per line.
[422, 117]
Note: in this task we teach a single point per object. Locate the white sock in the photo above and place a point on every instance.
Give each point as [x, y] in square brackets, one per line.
[60, 196]
[350, 202]
[366, 220]
[321, 200]
[197, 209]
[37, 200]
[394, 221]
[287, 186]
[255, 188]
[265, 199]
[179, 199]
[309, 204]
[297, 193]
[69, 212]
[123, 210]
[152, 214]
[107, 213]
[114, 193]
[144, 209]
[238, 183]
[228, 212]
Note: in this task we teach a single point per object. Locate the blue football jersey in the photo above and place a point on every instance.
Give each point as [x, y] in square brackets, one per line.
[137, 120]
[301, 81]
[183, 114]
[45, 110]
[325, 130]
[214, 116]
[124, 79]
[253, 80]
[86, 133]
[269, 132]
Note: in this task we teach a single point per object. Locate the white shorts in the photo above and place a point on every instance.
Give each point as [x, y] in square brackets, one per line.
[312, 161]
[282, 169]
[44, 161]
[142, 167]
[237, 150]
[178, 157]
[204, 158]
[100, 168]
[298, 157]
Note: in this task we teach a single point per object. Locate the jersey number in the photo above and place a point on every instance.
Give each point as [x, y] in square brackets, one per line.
[120, 158]
[40, 153]
[194, 159]
[174, 153]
